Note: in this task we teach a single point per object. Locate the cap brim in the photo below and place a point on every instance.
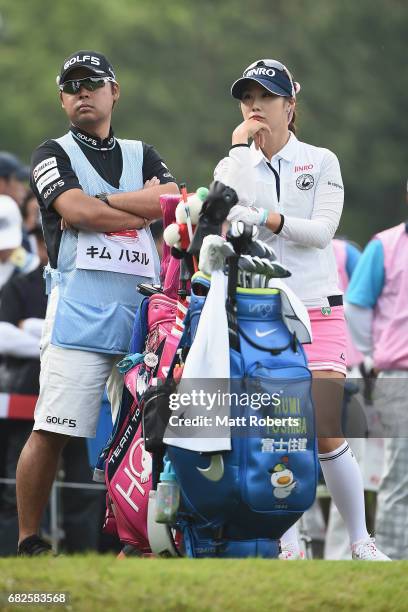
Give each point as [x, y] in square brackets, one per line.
[10, 238]
[95, 71]
[239, 86]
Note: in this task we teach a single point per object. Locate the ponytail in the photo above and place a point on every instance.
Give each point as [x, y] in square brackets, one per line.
[292, 126]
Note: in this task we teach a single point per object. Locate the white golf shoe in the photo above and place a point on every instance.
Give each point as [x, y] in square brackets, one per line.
[366, 550]
[291, 552]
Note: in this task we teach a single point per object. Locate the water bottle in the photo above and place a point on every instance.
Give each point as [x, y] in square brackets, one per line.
[167, 496]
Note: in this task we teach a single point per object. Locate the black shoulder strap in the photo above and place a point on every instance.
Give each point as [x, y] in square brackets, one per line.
[231, 303]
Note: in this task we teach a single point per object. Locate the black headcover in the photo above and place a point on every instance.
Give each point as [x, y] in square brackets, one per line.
[216, 206]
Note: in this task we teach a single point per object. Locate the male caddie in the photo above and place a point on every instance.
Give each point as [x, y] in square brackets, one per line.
[97, 196]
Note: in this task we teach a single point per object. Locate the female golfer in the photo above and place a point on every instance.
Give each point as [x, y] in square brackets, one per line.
[294, 192]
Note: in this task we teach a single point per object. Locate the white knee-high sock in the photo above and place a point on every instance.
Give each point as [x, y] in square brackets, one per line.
[345, 483]
[290, 539]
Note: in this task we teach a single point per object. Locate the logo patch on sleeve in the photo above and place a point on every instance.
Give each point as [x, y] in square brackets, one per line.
[46, 164]
[337, 185]
[47, 178]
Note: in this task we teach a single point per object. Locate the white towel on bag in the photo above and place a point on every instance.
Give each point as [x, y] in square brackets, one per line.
[208, 358]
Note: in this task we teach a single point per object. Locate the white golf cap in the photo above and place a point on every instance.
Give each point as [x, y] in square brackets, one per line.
[11, 223]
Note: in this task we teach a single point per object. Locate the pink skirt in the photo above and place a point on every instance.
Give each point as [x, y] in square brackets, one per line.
[328, 349]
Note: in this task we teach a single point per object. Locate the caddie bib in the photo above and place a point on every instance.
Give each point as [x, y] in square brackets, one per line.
[127, 251]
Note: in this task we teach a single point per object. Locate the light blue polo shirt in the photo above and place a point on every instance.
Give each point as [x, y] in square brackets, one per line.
[368, 277]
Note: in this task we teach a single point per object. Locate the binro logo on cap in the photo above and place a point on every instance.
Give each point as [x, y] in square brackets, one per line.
[78, 59]
[261, 72]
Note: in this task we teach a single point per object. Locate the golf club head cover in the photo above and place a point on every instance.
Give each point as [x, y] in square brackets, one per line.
[211, 254]
[216, 206]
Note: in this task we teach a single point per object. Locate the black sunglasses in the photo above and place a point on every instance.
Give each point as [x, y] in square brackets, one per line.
[90, 84]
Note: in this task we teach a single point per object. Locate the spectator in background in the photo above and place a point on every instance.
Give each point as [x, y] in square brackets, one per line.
[23, 305]
[377, 312]
[15, 342]
[13, 177]
[22, 310]
[13, 184]
[31, 220]
[347, 255]
[13, 258]
[31, 213]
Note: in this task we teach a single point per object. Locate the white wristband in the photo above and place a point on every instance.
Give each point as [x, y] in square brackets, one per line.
[265, 216]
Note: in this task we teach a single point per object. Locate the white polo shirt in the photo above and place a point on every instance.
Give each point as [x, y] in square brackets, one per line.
[304, 183]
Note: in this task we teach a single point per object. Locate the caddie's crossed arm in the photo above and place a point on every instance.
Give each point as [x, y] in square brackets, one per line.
[146, 201]
[65, 196]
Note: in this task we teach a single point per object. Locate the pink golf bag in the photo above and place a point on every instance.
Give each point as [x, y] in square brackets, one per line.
[127, 465]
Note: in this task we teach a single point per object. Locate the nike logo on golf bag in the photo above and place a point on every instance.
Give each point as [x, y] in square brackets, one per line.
[260, 334]
[215, 470]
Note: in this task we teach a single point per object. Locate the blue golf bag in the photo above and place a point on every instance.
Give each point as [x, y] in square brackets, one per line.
[239, 495]
[238, 503]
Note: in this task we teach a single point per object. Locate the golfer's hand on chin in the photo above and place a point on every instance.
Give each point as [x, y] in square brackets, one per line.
[251, 128]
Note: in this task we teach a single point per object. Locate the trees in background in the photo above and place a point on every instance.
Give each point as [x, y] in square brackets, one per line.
[176, 61]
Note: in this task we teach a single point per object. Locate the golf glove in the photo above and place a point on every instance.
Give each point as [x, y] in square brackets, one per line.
[248, 214]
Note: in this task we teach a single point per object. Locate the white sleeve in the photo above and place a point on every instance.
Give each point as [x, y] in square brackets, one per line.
[360, 324]
[237, 172]
[328, 205]
[18, 343]
[33, 326]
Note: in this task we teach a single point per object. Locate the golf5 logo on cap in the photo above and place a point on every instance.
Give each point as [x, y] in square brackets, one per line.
[94, 61]
[78, 59]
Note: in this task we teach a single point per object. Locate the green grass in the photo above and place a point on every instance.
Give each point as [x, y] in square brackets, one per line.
[97, 583]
